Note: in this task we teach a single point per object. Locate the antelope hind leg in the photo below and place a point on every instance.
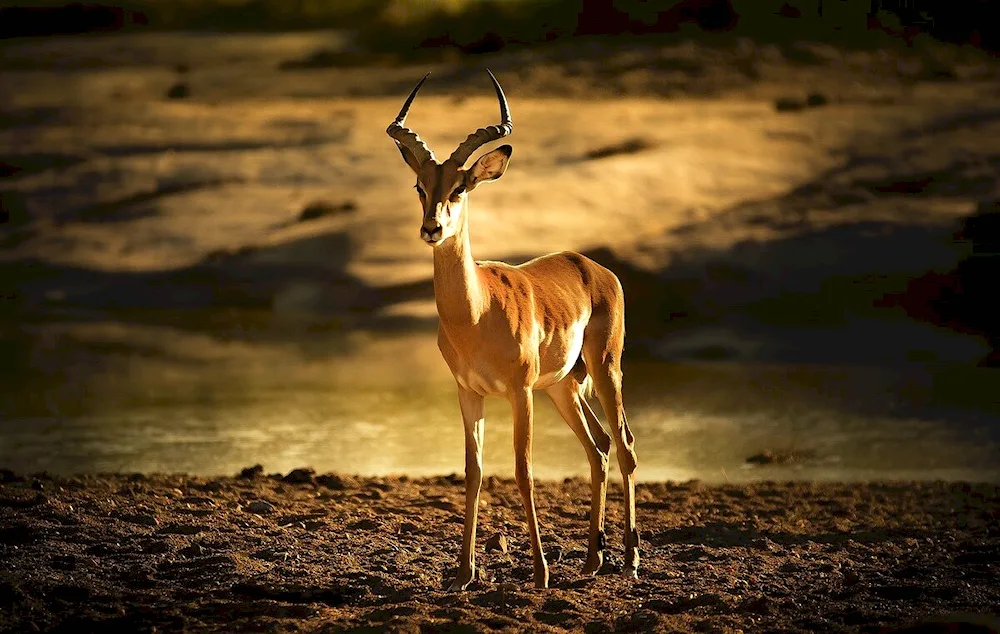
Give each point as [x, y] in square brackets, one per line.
[569, 403]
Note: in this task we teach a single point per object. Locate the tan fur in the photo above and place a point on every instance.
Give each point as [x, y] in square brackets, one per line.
[553, 324]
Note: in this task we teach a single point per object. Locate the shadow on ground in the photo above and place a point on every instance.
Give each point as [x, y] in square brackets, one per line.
[851, 292]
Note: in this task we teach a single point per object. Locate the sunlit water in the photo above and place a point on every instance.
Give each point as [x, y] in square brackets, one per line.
[78, 407]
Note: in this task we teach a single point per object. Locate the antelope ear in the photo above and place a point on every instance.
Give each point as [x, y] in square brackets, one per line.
[489, 166]
[409, 157]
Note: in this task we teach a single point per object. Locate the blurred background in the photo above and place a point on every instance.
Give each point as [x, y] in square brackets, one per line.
[209, 254]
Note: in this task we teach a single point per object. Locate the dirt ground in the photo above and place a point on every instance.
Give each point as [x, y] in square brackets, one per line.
[307, 553]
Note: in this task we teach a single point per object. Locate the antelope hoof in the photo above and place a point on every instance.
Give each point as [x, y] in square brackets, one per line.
[631, 568]
[462, 581]
[542, 576]
[594, 563]
[632, 554]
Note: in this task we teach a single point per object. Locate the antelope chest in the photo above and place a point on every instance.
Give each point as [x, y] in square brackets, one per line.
[481, 368]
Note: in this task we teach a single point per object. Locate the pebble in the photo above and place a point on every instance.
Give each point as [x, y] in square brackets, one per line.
[251, 472]
[194, 499]
[300, 476]
[497, 542]
[260, 507]
[194, 550]
[331, 481]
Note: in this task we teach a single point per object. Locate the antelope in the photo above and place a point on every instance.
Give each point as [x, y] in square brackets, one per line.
[555, 323]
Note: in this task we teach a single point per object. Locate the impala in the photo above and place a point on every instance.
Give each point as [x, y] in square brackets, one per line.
[556, 323]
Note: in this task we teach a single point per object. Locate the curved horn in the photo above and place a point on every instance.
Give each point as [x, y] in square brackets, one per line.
[484, 135]
[405, 137]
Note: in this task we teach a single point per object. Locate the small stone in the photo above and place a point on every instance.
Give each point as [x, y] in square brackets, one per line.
[194, 550]
[408, 527]
[364, 525]
[331, 481]
[140, 518]
[763, 543]
[497, 542]
[202, 501]
[260, 507]
[251, 472]
[300, 476]
[375, 494]
[213, 486]
[554, 554]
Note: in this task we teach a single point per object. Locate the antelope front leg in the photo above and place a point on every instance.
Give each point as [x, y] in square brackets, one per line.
[522, 405]
[472, 417]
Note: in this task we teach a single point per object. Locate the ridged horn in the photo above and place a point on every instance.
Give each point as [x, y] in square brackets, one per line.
[405, 137]
[483, 136]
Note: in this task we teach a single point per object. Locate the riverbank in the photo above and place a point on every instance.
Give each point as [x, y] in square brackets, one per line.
[307, 553]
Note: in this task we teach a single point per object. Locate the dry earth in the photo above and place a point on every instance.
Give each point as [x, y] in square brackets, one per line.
[307, 553]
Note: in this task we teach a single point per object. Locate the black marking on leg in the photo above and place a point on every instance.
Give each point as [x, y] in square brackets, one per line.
[602, 541]
[635, 538]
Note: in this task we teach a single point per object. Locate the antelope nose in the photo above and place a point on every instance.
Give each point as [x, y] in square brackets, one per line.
[431, 231]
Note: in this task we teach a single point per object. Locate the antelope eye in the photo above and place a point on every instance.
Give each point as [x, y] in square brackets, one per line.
[420, 191]
[457, 193]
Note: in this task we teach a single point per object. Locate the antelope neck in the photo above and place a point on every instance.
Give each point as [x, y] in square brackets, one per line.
[458, 290]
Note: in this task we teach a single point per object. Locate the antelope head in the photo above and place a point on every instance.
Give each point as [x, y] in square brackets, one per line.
[443, 188]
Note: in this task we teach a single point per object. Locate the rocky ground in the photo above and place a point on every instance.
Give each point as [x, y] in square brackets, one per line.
[301, 552]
